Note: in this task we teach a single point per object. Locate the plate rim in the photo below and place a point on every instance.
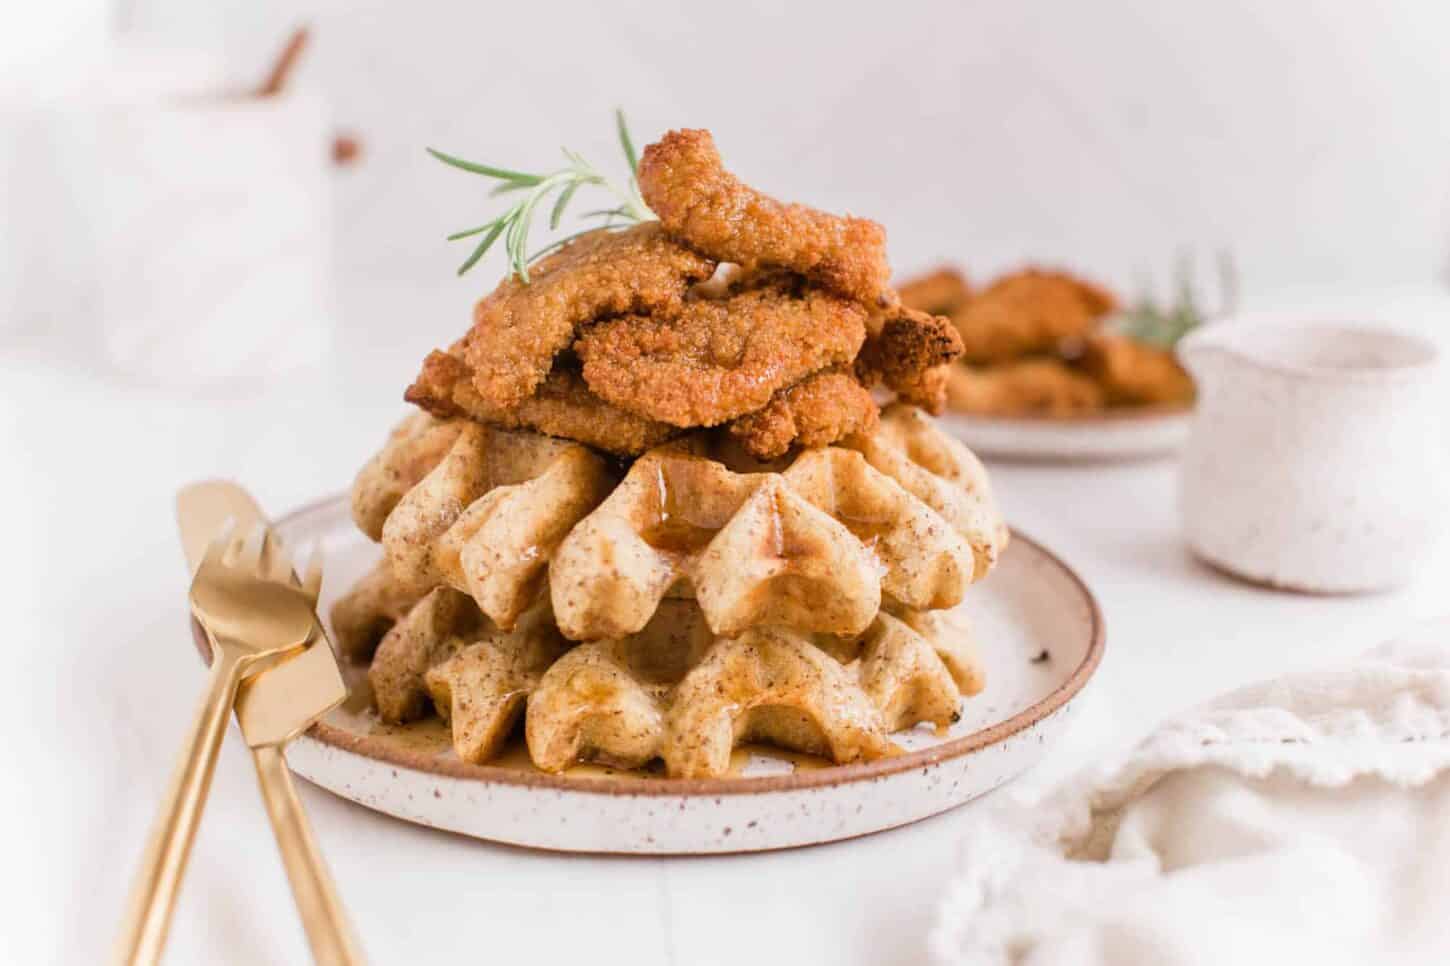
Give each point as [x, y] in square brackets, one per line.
[1138, 414]
[624, 785]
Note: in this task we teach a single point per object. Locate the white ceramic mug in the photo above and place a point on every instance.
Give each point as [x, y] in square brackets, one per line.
[1317, 459]
[163, 230]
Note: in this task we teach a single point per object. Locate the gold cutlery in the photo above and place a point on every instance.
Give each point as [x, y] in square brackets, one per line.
[272, 708]
[252, 612]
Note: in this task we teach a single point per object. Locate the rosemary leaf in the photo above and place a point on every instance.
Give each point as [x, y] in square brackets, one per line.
[483, 246]
[492, 172]
[472, 231]
[506, 187]
[624, 141]
[514, 225]
[561, 204]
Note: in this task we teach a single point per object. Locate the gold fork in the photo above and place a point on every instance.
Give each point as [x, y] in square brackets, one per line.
[253, 611]
[273, 707]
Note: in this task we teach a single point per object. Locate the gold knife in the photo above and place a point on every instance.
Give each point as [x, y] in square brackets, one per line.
[273, 707]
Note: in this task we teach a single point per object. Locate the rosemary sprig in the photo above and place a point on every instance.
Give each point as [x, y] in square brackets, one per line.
[532, 189]
[1154, 323]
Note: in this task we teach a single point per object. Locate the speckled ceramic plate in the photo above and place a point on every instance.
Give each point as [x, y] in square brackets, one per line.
[1114, 435]
[1040, 632]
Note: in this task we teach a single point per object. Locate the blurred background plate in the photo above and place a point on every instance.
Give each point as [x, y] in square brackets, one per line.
[1041, 635]
[1113, 435]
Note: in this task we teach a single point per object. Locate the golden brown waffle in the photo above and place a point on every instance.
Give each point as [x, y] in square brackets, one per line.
[812, 547]
[941, 472]
[674, 691]
[813, 544]
[478, 509]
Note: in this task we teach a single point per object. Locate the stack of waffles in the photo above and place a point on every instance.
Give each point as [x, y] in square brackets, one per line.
[652, 509]
[663, 611]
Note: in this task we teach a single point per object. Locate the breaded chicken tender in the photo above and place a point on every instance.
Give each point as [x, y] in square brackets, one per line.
[1133, 373]
[682, 179]
[939, 292]
[719, 358]
[1023, 387]
[926, 389]
[1027, 313]
[519, 329]
[906, 353]
[562, 406]
[817, 411]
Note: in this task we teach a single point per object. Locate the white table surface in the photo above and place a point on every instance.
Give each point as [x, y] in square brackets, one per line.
[103, 680]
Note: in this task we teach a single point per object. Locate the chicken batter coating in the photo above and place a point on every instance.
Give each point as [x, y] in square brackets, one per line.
[519, 329]
[682, 179]
[719, 358]
[1027, 313]
[563, 406]
[906, 353]
[817, 411]
[926, 389]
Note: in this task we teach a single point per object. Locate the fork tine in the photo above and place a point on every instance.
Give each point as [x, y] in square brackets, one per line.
[219, 547]
[249, 550]
[276, 562]
[272, 550]
[312, 578]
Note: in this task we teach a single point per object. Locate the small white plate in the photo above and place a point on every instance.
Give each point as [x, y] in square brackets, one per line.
[1112, 435]
[1041, 634]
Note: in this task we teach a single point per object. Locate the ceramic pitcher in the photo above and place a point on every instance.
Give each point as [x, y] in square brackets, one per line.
[1317, 460]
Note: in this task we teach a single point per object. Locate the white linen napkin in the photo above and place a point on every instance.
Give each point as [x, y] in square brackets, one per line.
[1306, 819]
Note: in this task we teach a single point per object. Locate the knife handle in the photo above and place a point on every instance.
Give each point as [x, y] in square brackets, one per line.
[328, 932]
[153, 894]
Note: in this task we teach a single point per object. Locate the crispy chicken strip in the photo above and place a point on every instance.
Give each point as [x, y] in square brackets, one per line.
[940, 292]
[563, 406]
[683, 181]
[720, 358]
[906, 353]
[519, 328]
[1023, 387]
[817, 411]
[926, 389]
[1135, 374]
[1027, 313]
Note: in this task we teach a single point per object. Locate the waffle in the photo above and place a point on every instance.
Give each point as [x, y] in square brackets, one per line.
[481, 510]
[941, 472]
[674, 692]
[815, 543]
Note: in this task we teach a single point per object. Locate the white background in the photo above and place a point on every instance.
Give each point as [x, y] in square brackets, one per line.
[1307, 137]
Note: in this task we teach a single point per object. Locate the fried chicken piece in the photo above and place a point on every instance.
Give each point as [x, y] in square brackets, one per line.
[519, 328]
[683, 181]
[1023, 387]
[563, 406]
[817, 411]
[926, 389]
[906, 351]
[1029, 312]
[720, 358]
[940, 292]
[1132, 373]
